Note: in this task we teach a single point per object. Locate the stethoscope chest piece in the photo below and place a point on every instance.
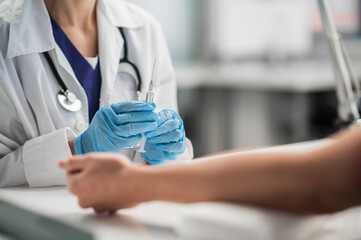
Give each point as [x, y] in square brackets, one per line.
[69, 101]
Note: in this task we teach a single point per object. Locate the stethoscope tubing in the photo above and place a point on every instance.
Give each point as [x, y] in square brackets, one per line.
[125, 59]
[64, 89]
[55, 72]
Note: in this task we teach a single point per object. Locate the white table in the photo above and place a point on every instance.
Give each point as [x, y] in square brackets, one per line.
[161, 220]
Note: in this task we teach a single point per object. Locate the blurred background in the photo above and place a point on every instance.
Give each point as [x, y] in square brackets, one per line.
[254, 73]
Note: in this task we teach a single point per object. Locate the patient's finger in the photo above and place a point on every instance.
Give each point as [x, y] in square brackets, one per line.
[74, 164]
[102, 211]
[61, 164]
[75, 184]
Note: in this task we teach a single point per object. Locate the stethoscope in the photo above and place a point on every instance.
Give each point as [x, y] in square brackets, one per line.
[69, 101]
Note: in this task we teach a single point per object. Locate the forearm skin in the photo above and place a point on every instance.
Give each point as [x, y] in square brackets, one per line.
[323, 181]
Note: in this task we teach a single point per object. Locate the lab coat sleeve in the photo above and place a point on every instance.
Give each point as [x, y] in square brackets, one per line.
[27, 157]
[12, 168]
[41, 156]
[36, 162]
[166, 85]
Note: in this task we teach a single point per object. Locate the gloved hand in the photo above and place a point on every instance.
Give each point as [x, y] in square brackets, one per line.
[117, 126]
[167, 141]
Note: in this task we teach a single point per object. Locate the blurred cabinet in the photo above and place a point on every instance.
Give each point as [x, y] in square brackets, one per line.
[219, 119]
[226, 106]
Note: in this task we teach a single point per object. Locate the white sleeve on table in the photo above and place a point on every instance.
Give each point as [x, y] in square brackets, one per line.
[41, 156]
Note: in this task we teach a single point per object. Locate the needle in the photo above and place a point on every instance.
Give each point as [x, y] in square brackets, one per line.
[151, 80]
[150, 94]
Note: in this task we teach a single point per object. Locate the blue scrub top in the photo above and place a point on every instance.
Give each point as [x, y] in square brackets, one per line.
[89, 78]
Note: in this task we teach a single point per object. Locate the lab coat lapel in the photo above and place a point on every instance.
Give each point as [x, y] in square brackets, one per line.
[39, 37]
[110, 52]
[21, 17]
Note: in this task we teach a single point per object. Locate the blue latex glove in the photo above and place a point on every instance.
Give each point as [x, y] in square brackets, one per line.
[167, 141]
[117, 126]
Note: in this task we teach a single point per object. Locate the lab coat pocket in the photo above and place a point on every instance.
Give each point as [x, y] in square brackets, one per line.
[125, 88]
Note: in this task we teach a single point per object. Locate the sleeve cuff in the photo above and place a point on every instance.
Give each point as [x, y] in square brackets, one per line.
[41, 156]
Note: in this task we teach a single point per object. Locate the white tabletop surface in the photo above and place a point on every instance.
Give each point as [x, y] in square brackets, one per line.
[161, 220]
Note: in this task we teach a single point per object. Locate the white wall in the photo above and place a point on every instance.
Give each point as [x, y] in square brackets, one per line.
[179, 23]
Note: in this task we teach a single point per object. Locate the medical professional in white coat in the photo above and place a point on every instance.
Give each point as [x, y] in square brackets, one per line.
[36, 129]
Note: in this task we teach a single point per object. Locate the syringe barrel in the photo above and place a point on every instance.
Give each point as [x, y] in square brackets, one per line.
[150, 96]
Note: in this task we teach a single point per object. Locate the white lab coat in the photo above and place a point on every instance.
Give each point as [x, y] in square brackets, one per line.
[34, 128]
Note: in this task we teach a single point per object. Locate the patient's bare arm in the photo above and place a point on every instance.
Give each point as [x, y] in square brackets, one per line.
[325, 180]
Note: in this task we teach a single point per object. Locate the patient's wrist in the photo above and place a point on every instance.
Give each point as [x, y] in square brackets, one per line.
[140, 182]
[150, 184]
[169, 183]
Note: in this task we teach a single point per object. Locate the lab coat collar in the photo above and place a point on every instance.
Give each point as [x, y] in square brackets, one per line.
[110, 51]
[29, 33]
[121, 14]
[112, 14]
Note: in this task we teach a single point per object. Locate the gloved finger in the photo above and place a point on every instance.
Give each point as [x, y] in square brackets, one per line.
[165, 115]
[109, 116]
[131, 129]
[168, 126]
[154, 157]
[173, 136]
[134, 117]
[174, 147]
[124, 107]
[130, 141]
[171, 156]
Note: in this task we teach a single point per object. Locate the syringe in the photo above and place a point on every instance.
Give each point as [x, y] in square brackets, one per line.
[149, 97]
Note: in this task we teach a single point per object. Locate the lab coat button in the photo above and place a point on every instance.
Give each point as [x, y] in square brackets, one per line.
[80, 126]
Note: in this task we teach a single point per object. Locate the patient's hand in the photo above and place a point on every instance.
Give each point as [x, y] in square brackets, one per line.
[105, 182]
